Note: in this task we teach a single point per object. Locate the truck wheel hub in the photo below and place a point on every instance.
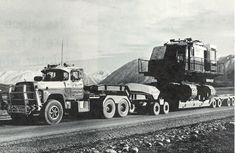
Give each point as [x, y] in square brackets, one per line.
[109, 108]
[54, 112]
[123, 107]
[156, 109]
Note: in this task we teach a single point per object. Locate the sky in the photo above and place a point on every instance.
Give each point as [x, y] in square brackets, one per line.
[106, 34]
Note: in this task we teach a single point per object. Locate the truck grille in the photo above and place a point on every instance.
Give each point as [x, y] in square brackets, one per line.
[22, 94]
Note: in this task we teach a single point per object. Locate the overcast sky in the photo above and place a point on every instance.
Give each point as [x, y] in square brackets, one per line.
[107, 32]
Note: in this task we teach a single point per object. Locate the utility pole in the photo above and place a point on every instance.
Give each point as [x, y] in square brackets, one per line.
[62, 52]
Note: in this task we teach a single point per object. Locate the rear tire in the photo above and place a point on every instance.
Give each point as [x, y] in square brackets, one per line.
[232, 101]
[155, 108]
[213, 103]
[165, 108]
[109, 108]
[229, 102]
[53, 112]
[219, 103]
[122, 108]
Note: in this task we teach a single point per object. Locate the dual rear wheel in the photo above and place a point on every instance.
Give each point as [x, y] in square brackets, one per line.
[218, 102]
[156, 108]
[110, 108]
[165, 108]
[230, 102]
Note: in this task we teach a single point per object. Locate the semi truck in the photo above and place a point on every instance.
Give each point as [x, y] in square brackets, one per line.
[60, 90]
[182, 69]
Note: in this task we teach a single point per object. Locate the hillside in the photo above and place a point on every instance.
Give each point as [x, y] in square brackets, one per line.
[4, 87]
[228, 78]
[99, 76]
[11, 77]
[128, 73]
[125, 74]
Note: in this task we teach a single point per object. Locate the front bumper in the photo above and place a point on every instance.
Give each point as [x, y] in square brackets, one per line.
[17, 109]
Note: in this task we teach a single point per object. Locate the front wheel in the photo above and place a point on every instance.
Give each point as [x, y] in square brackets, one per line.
[53, 112]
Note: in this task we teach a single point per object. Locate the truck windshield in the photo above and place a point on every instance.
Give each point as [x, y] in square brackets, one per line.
[55, 75]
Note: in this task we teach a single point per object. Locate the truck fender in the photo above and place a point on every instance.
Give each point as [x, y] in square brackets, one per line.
[57, 96]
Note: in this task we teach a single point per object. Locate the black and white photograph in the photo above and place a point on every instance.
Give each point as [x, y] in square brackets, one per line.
[117, 76]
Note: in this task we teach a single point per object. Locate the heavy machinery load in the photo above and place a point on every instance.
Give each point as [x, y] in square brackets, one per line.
[185, 71]
[180, 60]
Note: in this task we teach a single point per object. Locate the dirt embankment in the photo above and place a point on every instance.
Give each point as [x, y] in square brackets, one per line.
[209, 137]
[216, 136]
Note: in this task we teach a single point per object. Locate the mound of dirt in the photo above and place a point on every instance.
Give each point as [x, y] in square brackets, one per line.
[128, 73]
[228, 78]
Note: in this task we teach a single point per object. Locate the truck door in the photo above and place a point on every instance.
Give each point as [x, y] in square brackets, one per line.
[77, 84]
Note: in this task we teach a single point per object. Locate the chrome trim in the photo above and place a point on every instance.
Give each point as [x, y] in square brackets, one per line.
[38, 100]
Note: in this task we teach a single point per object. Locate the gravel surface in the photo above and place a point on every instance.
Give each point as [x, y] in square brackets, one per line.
[208, 137]
[216, 136]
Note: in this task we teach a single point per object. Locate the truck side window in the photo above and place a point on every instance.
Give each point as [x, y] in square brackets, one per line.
[66, 76]
[75, 76]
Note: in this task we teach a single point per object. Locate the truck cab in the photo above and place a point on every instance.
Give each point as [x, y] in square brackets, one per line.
[67, 79]
[60, 89]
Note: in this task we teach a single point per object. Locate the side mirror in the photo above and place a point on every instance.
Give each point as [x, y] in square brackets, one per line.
[37, 78]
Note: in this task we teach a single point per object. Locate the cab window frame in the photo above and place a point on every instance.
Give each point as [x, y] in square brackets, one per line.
[54, 75]
[78, 75]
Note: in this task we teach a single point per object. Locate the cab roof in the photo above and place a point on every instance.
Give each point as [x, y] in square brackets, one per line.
[184, 42]
[66, 68]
